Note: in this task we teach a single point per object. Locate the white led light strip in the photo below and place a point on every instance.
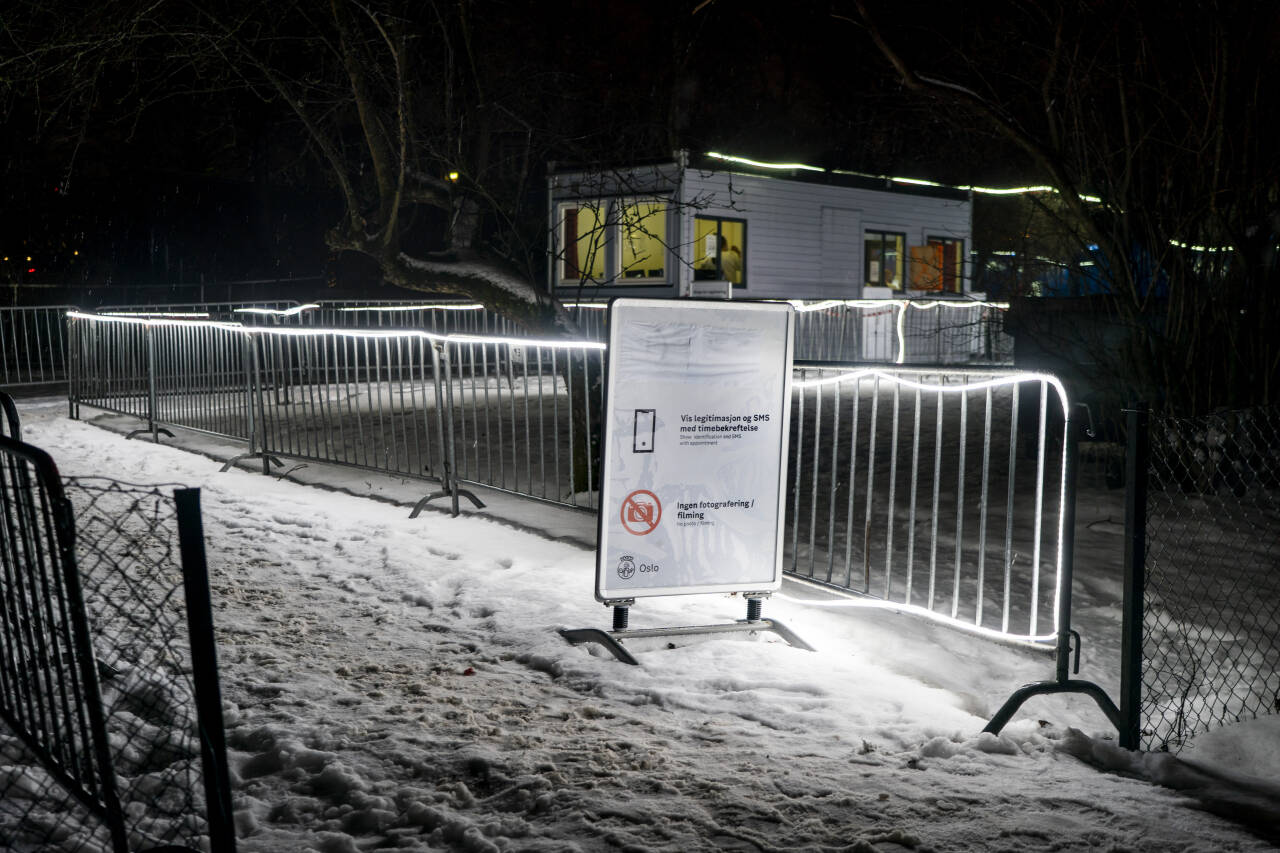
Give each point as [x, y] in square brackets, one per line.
[277, 312]
[372, 334]
[921, 182]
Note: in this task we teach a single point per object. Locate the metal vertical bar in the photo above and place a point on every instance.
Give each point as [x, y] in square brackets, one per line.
[528, 449]
[853, 482]
[1039, 517]
[1008, 507]
[555, 414]
[204, 672]
[795, 487]
[835, 482]
[1137, 465]
[573, 468]
[586, 398]
[1066, 544]
[893, 491]
[871, 473]
[983, 507]
[964, 430]
[937, 480]
[915, 484]
[817, 459]
[151, 386]
[542, 439]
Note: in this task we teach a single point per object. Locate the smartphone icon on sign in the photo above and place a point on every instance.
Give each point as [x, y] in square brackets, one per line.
[642, 438]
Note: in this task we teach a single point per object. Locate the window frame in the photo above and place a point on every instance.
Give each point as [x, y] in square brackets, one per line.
[611, 237]
[563, 241]
[900, 266]
[958, 242]
[619, 226]
[718, 220]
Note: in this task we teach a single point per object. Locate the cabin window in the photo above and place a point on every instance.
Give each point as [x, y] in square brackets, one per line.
[882, 259]
[720, 249]
[582, 236]
[952, 262]
[606, 241]
[642, 226]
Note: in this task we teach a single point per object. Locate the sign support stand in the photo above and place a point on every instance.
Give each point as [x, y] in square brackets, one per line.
[613, 640]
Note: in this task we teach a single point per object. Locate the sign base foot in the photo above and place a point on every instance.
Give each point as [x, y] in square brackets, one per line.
[613, 640]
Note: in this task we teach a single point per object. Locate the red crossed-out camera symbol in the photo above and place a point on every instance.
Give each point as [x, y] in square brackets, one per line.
[641, 512]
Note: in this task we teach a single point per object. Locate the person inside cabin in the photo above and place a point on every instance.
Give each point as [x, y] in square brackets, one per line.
[730, 261]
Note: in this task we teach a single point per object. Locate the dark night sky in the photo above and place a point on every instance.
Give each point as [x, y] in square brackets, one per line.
[220, 185]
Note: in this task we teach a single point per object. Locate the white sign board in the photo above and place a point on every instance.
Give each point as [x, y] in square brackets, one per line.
[694, 447]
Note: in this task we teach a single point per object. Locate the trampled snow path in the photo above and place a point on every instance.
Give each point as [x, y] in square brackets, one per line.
[397, 684]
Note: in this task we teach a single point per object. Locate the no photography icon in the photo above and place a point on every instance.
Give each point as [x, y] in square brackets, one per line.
[641, 511]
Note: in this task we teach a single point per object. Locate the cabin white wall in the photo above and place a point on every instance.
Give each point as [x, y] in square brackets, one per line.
[805, 240]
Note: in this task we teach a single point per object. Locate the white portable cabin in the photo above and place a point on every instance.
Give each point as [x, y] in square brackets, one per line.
[695, 227]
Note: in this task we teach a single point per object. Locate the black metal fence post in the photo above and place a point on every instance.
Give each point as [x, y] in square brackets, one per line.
[1137, 466]
[204, 665]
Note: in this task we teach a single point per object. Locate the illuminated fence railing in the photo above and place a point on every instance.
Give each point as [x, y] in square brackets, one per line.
[268, 311]
[940, 492]
[110, 364]
[442, 317]
[518, 417]
[901, 331]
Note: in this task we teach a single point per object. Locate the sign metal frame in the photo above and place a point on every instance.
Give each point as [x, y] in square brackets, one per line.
[647, 510]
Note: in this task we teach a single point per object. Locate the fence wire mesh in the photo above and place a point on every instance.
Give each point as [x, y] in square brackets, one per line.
[1211, 623]
[131, 573]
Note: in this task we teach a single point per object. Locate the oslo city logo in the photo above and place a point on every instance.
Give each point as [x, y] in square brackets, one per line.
[641, 512]
[626, 567]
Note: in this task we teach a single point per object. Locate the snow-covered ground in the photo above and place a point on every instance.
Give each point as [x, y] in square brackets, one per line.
[397, 684]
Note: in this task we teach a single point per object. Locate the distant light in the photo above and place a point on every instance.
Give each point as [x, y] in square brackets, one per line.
[76, 253]
[1182, 245]
[453, 176]
[28, 258]
[32, 269]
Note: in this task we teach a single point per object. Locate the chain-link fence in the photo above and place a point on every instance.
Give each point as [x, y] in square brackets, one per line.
[128, 553]
[1210, 621]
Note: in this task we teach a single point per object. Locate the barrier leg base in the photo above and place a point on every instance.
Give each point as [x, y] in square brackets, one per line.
[154, 433]
[267, 461]
[1043, 688]
[445, 493]
[612, 640]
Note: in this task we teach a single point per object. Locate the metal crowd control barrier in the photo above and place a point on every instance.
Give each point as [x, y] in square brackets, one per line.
[49, 693]
[947, 493]
[33, 344]
[367, 399]
[522, 414]
[512, 414]
[936, 490]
